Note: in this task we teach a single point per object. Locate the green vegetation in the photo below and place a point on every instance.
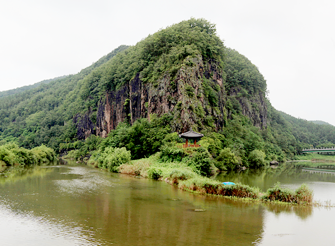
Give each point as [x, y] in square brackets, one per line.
[303, 195]
[308, 133]
[239, 144]
[142, 139]
[241, 73]
[316, 157]
[80, 150]
[181, 174]
[226, 160]
[110, 158]
[257, 158]
[44, 113]
[28, 87]
[320, 122]
[12, 155]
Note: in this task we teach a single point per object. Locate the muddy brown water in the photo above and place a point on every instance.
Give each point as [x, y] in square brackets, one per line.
[78, 205]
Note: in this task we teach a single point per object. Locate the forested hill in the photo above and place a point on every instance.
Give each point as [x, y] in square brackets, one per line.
[44, 114]
[25, 88]
[183, 74]
[316, 134]
[320, 122]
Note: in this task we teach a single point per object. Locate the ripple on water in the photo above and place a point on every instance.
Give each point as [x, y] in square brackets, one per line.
[27, 229]
[87, 182]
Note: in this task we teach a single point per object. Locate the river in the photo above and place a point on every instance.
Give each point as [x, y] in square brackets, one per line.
[78, 205]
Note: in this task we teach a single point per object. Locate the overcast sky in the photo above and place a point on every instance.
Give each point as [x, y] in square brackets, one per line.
[291, 42]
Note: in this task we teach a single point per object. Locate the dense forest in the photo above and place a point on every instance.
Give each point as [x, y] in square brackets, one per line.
[28, 87]
[220, 93]
[320, 122]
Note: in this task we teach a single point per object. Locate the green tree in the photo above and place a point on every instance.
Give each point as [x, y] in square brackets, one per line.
[226, 159]
[257, 159]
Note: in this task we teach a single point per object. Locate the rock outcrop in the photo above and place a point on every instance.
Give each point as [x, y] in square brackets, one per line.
[195, 96]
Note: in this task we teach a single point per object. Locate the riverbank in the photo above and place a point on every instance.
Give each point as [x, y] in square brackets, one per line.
[314, 160]
[315, 157]
[181, 175]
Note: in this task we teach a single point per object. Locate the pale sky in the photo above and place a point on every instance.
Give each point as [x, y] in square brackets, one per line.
[291, 42]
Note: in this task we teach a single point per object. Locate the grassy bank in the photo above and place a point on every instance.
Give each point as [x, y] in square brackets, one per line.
[314, 160]
[316, 157]
[176, 173]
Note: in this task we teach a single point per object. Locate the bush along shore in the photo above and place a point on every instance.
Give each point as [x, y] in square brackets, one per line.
[11, 155]
[188, 177]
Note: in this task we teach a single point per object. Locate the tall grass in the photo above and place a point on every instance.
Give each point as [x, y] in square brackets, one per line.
[303, 195]
[213, 187]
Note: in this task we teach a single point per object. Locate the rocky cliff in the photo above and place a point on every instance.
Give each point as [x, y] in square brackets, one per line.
[183, 70]
[195, 96]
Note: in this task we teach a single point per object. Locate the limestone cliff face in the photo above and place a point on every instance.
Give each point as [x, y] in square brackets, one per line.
[253, 107]
[195, 96]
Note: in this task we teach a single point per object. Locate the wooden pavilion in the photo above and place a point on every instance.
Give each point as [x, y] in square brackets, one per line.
[192, 136]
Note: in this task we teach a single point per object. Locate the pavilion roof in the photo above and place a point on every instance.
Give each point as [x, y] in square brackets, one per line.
[191, 134]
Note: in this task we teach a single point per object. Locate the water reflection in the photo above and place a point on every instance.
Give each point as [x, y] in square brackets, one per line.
[302, 212]
[14, 174]
[84, 206]
[321, 182]
[108, 208]
[267, 177]
[19, 228]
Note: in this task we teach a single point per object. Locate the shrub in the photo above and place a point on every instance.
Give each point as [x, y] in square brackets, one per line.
[238, 190]
[73, 154]
[25, 157]
[111, 158]
[212, 144]
[226, 159]
[177, 175]
[154, 173]
[280, 194]
[201, 160]
[11, 154]
[7, 156]
[171, 153]
[304, 194]
[209, 186]
[44, 155]
[172, 138]
[256, 158]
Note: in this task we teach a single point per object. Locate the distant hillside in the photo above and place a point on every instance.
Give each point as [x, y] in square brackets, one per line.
[43, 114]
[307, 132]
[28, 87]
[320, 122]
